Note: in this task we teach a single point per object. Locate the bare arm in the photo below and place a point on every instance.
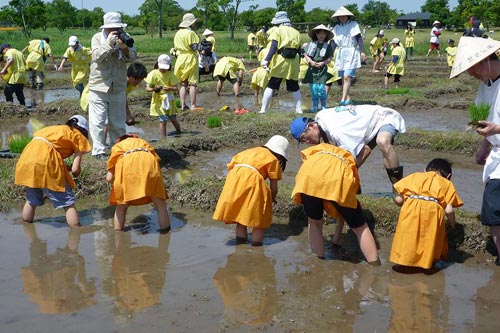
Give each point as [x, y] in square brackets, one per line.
[450, 215]
[273, 183]
[483, 152]
[76, 166]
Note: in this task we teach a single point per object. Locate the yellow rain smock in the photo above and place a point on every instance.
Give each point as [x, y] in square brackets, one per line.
[186, 65]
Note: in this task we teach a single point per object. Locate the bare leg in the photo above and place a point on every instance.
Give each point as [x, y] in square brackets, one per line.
[182, 94]
[72, 217]
[495, 233]
[28, 212]
[386, 82]
[162, 210]
[176, 124]
[241, 231]
[366, 243]
[163, 129]
[391, 159]
[315, 233]
[257, 236]
[219, 87]
[236, 89]
[346, 88]
[73, 239]
[338, 231]
[192, 95]
[120, 215]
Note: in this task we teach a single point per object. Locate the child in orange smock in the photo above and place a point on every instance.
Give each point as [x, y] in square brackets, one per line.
[425, 197]
[42, 171]
[246, 199]
[135, 174]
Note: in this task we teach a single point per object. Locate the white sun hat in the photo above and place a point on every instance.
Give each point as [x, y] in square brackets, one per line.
[81, 122]
[342, 11]
[72, 41]
[280, 18]
[279, 145]
[436, 22]
[394, 41]
[164, 61]
[187, 20]
[113, 20]
[207, 32]
[471, 51]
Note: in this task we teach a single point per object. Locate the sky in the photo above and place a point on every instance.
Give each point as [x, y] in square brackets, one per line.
[131, 7]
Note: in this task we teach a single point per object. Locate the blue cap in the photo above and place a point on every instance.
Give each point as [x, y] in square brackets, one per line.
[298, 126]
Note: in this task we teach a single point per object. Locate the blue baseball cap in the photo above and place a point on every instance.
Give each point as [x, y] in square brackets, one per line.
[298, 126]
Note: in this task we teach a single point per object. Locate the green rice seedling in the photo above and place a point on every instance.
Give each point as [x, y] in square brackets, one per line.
[213, 122]
[478, 112]
[178, 103]
[397, 91]
[18, 142]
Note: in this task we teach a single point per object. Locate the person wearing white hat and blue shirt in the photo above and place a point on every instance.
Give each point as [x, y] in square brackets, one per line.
[283, 59]
[479, 57]
[347, 37]
[80, 58]
[112, 49]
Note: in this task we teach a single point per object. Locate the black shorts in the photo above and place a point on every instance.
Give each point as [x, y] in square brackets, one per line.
[490, 210]
[397, 77]
[252, 48]
[227, 77]
[291, 85]
[314, 209]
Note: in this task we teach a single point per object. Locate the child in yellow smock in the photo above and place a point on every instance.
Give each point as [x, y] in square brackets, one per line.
[231, 69]
[135, 174]
[161, 82]
[42, 171]
[79, 56]
[426, 198]
[451, 52]
[397, 65]
[246, 199]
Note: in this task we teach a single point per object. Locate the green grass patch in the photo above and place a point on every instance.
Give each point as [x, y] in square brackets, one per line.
[397, 91]
[18, 142]
[214, 122]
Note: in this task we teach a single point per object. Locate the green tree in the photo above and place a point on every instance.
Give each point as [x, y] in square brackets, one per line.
[208, 8]
[230, 11]
[377, 14]
[28, 14]
[153, 18]
[318, 15]
[439, 9]
[61, 14]
[294, 8]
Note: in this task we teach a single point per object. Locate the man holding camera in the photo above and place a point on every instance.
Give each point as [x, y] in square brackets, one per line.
[112, 49]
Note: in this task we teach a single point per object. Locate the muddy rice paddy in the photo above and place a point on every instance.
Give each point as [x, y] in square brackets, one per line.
[195, 279]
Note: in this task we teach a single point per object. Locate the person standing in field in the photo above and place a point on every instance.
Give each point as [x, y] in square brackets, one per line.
[479, 58]
[409, 41]
[425, 199]
[451, 52]
[285, 55]
[38, 52]
[397, 65]
[246, 200]
[186, 42]
[252, 44]
[434, 41]
[377, 46]
[79, 56]
[13, 73]
[351, 50]
[43, 173]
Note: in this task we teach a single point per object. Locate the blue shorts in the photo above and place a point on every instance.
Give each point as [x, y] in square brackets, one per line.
[59, 199]
[385, 128]
[348, 72]
[163, 118]
[490, 210]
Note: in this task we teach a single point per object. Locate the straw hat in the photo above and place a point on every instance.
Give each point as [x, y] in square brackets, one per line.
[436, 22]
[280, 18]
[278, 144]
[113, 20]
[73, 40]
[394, 41]
[207, 32]
[164, 61]
[312, 32]
[187, 20]
[81, 122]
[342, 11]
[471, 51]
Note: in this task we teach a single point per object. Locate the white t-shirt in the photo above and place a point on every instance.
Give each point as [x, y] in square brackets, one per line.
[434, 38]
[351, 127]
[490, 95]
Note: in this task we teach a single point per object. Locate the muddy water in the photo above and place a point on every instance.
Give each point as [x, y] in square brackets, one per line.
[195, 280]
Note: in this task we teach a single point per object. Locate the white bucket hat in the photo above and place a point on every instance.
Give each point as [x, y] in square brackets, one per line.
[187, 20]
[280, 18]
[72, 40]
[279, 145]
[471, 51]
[312, 32]
[81, 122]
[113, 20]
[436, 22]
[394, 41]
[164, 61]
[207, 32]
[342, 11]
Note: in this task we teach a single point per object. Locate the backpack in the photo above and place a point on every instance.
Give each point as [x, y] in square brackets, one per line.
[206, 46]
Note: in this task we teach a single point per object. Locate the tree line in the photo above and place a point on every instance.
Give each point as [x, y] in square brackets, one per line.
[156, 16]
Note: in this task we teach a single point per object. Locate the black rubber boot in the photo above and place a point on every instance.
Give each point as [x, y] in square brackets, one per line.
[39, 86]
[395, 174]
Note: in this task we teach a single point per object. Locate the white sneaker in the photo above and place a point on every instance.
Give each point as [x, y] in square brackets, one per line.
[299, 111]
[262, 111]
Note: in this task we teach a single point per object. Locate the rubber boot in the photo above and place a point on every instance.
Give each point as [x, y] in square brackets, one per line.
[395, 174]
[39, 86]
[315, 105]
[323, 103]
[32, 82]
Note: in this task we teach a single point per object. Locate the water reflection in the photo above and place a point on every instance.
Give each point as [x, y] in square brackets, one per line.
[247, 286]
[137, 273]
[57, 282]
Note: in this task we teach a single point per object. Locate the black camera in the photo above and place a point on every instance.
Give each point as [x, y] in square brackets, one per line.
[125, 37]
